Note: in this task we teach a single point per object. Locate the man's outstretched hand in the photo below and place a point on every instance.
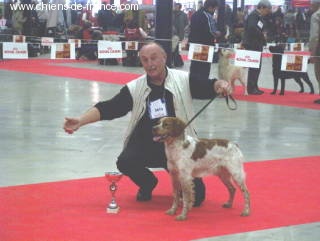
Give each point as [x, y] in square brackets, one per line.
[71, 125]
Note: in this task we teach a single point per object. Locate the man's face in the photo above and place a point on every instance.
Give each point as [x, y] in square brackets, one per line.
[265, 11]
[153, 60]
[211, 9]
[314, 7]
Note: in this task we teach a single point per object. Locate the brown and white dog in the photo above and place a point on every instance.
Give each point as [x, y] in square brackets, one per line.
[189, 158]
[230, 72]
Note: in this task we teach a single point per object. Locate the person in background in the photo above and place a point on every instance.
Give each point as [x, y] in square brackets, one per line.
[43, 17]
[105, 17]
[18, 20]
[133, 32]
[160, 92]
[203, 30]
[180, 23]
[3, 22]
[86, 31]
[238, 27]
[314, 45]
[31, 24]
[289, 24]
[254, 39]
[89, 37]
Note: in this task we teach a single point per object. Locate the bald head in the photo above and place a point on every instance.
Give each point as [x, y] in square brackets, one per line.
[153, 59]
[154, 47]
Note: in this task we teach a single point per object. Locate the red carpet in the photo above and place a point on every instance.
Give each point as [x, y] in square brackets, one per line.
[284, 192]
[52, 67]
[290, 98]
[55, 68]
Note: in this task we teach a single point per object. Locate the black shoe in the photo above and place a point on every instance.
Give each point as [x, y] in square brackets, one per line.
[260, 91]
[200, 192]
[255, 92]
[145, 194]
[317, 101]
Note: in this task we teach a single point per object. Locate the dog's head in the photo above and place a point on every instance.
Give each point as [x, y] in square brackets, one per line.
[277, 49]
[225, 53]
[168, 128]
[277, 52]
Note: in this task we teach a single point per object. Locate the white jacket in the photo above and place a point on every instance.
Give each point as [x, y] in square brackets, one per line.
[177, 82]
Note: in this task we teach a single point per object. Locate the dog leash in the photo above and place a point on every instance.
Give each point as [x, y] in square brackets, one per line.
[227, 97]
[235, 106]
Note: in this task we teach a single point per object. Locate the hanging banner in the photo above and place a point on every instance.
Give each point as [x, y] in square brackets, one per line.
[14, 50]
[46, 41]
[63, 51]
[109, 50]
[200, 52]
[247, 58]
[76, 42]
[131, 45]
[300, 3]
[18, 38]
[298, 63]
[147, 2]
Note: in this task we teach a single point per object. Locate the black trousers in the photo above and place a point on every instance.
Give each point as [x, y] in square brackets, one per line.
[137, 157]
[253, 77]
[253, 73]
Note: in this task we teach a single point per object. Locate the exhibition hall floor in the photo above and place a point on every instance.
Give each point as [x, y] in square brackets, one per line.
[37, 94]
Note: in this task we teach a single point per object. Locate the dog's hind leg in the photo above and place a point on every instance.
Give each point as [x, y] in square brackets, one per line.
[309, 83]
[246, 196]
[299, 82]
[239, 179]
[225, 177]
[176, 195]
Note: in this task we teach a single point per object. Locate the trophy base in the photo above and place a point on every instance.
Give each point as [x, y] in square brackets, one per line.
[113, 210]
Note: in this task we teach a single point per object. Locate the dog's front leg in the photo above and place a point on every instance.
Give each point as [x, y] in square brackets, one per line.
[283, 86]
[176, 195]
[187, 197]
[275, 84]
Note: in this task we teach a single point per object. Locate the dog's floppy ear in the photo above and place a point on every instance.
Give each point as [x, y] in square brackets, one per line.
[178, 127]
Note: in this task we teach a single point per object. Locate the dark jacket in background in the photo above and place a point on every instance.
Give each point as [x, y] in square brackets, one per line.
[202, 31]
[105, 19]
[253, 38]
[180, 22]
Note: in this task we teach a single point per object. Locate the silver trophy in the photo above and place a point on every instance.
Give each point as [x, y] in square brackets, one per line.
[113, 178]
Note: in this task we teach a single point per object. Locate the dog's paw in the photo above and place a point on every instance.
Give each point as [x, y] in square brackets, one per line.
[245, 213]
[227, 205]
[171, 212]
[181, 217]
